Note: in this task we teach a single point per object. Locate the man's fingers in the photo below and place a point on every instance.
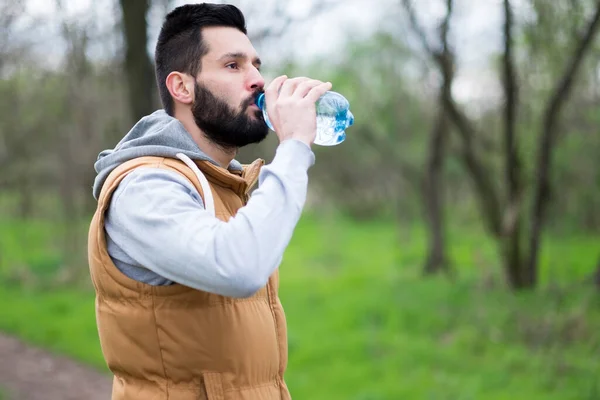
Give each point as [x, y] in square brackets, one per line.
[305, 87]
[316, 92]
[290, 85]
[272, 91]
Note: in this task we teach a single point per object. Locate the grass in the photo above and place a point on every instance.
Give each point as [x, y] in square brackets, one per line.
[363, 323]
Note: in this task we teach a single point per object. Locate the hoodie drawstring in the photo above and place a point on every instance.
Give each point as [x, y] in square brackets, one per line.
[209, 202]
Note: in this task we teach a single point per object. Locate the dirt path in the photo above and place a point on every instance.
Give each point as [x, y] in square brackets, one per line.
[29, 373]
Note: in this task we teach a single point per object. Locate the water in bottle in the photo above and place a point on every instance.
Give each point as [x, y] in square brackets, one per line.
[333, 118]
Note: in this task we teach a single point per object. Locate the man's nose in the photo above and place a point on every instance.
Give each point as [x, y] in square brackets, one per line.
[255, 80]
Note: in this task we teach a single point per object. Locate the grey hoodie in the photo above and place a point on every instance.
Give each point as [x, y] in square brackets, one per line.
[157, 134]
[158, 231]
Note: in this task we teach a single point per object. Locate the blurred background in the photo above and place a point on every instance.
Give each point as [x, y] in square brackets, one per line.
[450, 247]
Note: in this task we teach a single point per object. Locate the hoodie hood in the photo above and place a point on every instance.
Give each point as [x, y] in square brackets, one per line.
[157, 134]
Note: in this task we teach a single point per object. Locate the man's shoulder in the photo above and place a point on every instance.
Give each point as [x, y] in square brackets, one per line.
[153, 181]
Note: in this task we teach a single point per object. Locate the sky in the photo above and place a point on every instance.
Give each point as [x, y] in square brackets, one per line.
[477, 38]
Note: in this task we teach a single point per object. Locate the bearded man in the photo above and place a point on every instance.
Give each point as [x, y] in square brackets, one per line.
[183, 260]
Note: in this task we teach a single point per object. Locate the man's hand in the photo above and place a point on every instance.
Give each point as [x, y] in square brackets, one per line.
[291, 107]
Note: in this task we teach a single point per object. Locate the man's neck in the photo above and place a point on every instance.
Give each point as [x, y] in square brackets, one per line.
[221, 156]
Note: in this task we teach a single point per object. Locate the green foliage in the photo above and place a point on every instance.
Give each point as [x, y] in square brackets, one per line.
[547, 39]
[393, 95]
[376, 170]
[363, 323]
[55, 122]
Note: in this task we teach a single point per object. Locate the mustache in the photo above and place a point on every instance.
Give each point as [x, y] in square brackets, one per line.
[252, 99]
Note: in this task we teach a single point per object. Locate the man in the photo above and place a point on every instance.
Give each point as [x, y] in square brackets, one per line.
[184, 263]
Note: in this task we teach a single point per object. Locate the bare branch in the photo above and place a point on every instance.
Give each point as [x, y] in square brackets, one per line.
[10, 48]
[317, 7]
[417, 28]
[513, 162]
[407, 171]
[446, 26]
[479, 172]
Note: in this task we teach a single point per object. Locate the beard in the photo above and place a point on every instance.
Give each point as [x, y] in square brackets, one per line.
[222, 124]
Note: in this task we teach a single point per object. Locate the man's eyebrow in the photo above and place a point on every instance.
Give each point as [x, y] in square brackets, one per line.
[240, 55]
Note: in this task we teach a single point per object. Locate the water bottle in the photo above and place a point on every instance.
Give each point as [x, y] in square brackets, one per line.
[333, 118]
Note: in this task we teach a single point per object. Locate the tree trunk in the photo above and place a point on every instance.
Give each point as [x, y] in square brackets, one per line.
[433, 198]
[511, 231]
[138, 68]
[478, 170]
[432, 183]
[548, 141]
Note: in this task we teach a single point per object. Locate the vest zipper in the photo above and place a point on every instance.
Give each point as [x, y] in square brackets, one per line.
[275, 324]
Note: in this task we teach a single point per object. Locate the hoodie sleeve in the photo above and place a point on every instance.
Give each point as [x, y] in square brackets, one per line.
[157, 218]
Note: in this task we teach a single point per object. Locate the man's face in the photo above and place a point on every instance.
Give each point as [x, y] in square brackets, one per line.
[226, 88]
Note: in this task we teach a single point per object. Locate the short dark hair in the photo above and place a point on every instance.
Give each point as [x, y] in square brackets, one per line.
[180, 46]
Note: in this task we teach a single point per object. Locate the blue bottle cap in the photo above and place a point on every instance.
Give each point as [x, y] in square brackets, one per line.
[260, 100]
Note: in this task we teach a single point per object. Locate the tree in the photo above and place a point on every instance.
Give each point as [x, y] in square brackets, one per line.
[547, 143]
[139, 72]
[437, 259]
[504, 218]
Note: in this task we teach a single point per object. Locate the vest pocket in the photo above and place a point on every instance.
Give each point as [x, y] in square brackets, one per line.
[213, 386]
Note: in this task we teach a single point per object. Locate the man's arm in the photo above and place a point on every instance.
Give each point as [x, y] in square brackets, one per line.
[158, 219]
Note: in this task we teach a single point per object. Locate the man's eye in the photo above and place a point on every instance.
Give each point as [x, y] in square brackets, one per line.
[232, 66]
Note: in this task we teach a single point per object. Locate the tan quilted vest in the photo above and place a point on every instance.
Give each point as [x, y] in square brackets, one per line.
[177, 343]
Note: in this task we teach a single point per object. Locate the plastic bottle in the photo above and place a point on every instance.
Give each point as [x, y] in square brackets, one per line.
[333, 118]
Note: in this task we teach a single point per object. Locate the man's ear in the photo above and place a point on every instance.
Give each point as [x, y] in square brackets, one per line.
[181, 87]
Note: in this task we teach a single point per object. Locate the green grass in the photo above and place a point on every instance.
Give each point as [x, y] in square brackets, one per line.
[364, 325]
